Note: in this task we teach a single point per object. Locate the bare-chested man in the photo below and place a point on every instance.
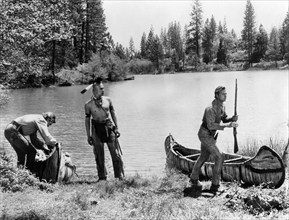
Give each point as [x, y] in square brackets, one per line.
[101, 127]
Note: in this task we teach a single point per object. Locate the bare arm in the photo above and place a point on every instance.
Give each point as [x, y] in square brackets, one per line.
[112, 113]
[87, 123]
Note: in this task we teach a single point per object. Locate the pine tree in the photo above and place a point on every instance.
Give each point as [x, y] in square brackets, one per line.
[120, 51]
[206, 42]
[284, 38]
[249, 30]
[143, 49]
[131, 48]
[193, 44]
[150, 44]
[213, 27]
[260, 47]
[165, 42]
[157, 53]
[95, 35]
[175, 43]
[274, 53]
[221, 54]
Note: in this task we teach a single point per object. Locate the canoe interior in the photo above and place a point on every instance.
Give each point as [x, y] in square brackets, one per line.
[193, 154]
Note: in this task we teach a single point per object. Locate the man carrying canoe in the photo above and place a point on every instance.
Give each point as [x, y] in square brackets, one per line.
[29, 125]
[101, 127]
[211, 122]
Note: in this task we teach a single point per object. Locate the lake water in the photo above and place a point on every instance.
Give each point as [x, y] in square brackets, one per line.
[152, 106]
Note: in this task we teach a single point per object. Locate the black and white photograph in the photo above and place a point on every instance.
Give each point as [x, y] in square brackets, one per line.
[144, 109]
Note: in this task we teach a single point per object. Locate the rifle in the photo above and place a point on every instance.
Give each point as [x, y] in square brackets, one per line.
[236, 148]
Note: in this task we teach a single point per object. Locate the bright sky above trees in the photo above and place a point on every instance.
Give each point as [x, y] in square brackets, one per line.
[130, 18]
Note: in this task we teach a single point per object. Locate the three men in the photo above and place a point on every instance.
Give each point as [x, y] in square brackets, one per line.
[29, 125]
[101, 127]
[213, 115]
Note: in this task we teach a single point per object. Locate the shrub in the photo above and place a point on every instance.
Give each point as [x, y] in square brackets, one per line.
[140, 66]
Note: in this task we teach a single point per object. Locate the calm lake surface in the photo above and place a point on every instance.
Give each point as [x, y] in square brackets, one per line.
[152, 106]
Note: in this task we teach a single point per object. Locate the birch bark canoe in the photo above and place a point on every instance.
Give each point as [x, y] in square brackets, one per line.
[57, 167]
[266, 167]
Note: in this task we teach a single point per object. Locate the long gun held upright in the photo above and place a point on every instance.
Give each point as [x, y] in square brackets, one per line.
[236, 148]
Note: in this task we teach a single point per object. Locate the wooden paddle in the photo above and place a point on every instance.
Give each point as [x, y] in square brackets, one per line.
[236, 148]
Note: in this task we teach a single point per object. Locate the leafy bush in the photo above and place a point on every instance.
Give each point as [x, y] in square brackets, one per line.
[140, 66]
[17, 179]
[30, 215]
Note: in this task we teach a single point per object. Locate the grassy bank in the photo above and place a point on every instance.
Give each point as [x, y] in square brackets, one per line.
[143, 198]
[136, 197]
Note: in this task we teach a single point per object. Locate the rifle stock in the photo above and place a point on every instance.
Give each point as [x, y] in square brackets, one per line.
[236, 148]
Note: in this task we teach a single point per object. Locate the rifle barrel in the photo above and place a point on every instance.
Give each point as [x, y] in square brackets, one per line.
[235, 113]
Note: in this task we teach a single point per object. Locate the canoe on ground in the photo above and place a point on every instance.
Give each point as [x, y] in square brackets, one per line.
[57, 167]
[265, 168]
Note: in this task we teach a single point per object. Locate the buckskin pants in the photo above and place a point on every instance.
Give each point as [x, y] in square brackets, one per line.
[208, 147]
[25, 152]
[98, 150]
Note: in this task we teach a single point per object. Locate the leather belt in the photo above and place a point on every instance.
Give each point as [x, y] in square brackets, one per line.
[17, 125]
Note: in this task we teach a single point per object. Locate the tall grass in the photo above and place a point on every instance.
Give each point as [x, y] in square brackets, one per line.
[252, 146]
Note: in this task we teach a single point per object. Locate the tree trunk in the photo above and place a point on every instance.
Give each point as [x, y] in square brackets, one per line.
[81, 44]
[63, 53]
[87, 36]
[53, 59]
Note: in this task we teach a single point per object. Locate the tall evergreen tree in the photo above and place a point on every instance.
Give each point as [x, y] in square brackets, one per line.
[208, 39]
[249, 30]
[206, 42]
[175, 42]
[233, 33]
[157, 53]
[274, 53]
[225, 29]
[95, 35]
[260, 46]
[213, 28]
[150, 44]
[221, 54]
[165, 42]
[193, 44]
[131, 48]
[284, 38]
[143, 48]
[120, 51]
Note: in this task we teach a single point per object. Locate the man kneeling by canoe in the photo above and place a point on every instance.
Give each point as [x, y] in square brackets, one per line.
[29, 125]
[214, 114]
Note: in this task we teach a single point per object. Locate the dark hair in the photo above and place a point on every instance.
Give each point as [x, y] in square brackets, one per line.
[219, 89]
[98, 80]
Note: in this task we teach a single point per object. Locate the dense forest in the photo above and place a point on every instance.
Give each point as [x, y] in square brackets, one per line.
[43, 42]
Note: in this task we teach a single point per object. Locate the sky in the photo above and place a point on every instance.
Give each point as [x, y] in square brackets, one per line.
[128, 19]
